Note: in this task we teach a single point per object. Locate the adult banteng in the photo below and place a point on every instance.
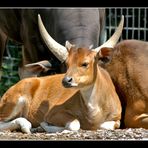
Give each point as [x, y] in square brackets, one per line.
[80, 26]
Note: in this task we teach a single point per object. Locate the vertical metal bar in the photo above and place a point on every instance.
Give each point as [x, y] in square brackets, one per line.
[145, 21]
[106, 23]
[139, 14]
[110, 15]
[116, 17]
[121, 13]
[126, 23]
[133, 22]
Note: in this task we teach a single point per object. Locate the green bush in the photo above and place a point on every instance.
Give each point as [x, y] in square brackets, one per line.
[9, 70]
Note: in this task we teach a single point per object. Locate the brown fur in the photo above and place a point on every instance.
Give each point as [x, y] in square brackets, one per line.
[128, 68]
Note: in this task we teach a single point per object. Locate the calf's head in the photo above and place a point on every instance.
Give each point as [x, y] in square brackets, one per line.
[81, 67]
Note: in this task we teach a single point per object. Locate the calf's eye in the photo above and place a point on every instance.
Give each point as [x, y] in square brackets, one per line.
[85, 64]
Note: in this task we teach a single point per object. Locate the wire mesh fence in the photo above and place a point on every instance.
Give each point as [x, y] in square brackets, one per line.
[135, 27]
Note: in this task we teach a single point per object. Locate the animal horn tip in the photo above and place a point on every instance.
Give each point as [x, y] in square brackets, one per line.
[39, 16]
[122, 17]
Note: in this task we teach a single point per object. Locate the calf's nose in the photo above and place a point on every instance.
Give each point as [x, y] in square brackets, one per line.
[67, 81]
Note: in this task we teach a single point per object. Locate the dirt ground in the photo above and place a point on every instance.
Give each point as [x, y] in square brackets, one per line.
[118, 134]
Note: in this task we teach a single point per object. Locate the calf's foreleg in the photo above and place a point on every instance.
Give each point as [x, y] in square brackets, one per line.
[73, 126]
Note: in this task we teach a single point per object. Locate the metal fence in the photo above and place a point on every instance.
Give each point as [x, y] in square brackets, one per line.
[135, 27]
[135, 24]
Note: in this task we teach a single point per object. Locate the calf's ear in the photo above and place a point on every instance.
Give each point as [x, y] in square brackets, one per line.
[105, 54]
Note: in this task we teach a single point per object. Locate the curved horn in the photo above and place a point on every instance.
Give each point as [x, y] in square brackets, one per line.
[57, 49]
[112, 41]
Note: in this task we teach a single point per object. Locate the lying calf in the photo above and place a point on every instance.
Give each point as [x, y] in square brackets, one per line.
[89, 101]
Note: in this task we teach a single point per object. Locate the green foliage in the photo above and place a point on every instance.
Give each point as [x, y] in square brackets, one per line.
[9, 70]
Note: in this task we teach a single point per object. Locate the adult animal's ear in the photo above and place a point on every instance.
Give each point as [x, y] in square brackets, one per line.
[105, 55]
[68, 45]
[39, 67]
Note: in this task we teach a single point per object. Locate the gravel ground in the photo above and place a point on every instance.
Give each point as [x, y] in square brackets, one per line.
[99, 135]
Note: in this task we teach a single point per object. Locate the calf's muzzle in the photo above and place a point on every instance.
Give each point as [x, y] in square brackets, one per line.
[67, 81]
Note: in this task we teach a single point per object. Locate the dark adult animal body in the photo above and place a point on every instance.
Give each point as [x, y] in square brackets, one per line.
[83, 27]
